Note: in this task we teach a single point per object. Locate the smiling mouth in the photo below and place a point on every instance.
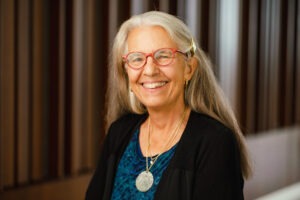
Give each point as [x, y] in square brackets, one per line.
[154, 85]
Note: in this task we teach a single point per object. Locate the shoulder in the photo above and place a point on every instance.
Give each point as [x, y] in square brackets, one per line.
[205, 139]
[127, 119]
[207, 129]
[124, 126]
[204, 122]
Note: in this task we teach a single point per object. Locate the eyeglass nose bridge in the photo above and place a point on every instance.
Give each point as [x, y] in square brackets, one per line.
[146, 58]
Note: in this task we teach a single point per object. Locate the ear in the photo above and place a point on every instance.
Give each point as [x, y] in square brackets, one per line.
[190, 68]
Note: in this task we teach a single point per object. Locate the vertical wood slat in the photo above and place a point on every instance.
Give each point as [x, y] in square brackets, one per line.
[172, 7]
[273, 68]
[283, 63]
[192, 16]
[297, 65]
[100, 52]
[37, 155]
[164, 5]
[87, 148]
[7, 84]
[213, 30]
[153, 4]
[83, 134]
[1, 101]
[124, 11]
[203, 28]
[117, 14]
[77, 87]
[61, 88]
[138, 7]
[52, 66]
[181, 9]
[68, 86]
[289, 64]
[252, 67]
[228, 48]
[263, 66]
[112, 20]
[243, 81]
[23, 91]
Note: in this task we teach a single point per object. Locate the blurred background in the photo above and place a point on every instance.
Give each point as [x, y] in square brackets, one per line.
[53, 70]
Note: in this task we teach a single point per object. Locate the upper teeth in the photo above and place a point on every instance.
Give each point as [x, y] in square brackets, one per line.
[153, 85]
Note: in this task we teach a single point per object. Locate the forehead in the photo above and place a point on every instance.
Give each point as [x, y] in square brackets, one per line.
[149, 38]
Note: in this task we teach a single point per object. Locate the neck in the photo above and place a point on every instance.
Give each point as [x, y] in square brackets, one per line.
[162, 139]
[163, 120]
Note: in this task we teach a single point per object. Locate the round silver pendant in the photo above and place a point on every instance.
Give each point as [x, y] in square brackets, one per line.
[144, 181]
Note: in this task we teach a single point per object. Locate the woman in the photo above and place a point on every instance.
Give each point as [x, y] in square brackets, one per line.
[171, 135]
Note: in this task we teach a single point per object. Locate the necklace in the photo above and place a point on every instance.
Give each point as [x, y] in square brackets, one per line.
[145, 179]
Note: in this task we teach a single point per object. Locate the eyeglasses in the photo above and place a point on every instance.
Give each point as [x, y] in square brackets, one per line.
[161, 57]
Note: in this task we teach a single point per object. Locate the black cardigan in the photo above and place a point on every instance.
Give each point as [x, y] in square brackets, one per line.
[205, 164]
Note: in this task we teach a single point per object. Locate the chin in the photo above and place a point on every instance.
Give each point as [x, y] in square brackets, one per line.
[154, 105]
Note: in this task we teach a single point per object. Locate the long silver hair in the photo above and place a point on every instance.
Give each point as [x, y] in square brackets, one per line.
[203, 93]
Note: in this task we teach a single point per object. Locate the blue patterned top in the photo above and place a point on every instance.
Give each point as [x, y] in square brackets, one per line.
[131, 165]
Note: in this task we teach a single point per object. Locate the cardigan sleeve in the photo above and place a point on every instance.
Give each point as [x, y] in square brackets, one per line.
[218, 175]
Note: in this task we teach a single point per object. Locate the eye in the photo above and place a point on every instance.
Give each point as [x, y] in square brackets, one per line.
[135, 58]
[163, 55]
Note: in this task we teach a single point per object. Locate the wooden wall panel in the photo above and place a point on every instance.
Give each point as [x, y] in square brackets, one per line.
[269, 56]
[54, 56]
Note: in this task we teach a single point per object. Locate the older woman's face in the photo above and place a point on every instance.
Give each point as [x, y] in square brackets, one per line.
[157, 87]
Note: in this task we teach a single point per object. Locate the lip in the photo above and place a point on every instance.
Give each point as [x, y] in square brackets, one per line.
[154, 84]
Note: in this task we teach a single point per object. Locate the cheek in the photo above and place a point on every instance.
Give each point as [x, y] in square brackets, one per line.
[175, 74]
[132, 76]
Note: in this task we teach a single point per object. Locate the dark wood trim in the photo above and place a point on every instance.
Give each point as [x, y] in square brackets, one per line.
[38, 108]
[297, 64]
[68, 84]
[53, 70]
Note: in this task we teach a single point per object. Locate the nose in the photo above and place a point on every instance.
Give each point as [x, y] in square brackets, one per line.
[150, 68]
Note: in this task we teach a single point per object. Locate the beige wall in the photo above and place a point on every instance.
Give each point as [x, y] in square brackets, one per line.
[276, 161]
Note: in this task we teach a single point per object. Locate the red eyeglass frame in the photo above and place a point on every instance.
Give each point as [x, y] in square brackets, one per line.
[174, 50]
